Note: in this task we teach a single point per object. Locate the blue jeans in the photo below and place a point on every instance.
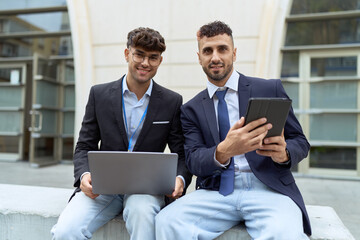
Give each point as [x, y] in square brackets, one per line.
[205, 214]
[83, 215]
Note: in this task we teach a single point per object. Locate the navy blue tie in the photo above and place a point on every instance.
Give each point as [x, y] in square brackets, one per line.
[227, 176]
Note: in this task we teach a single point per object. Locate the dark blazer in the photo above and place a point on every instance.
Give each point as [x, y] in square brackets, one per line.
[201, 138]
[103, 122]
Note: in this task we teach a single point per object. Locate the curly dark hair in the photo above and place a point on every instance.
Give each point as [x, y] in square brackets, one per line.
[213, 29]
[146, 38]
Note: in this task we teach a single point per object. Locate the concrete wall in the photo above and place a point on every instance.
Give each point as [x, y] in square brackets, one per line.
[99, 31]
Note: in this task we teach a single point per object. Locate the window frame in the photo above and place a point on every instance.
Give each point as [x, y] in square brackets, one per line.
[304, 111]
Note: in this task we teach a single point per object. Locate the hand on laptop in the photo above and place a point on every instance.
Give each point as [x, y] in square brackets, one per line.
[179, 188]
[86, 186]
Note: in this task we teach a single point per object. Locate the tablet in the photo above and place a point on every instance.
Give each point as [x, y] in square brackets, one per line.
[275, 110]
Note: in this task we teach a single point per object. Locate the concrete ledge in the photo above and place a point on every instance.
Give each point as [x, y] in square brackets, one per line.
[28, 212]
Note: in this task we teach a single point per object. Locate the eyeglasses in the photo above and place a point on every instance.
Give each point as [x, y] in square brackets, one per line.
[154, 60]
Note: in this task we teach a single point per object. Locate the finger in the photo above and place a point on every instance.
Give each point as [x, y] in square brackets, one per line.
[265, 153]
[271, 147]
[260, 130]
[93, 196]
[255, 124]
[86, 187]
[175, 194]
[88, 192]
[257, 141]
[274, 140]
[178, 191]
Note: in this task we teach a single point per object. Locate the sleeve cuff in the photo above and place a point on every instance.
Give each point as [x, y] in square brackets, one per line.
[284, 163]
[219, 164]
[183, 179]
[83, 175]
[288, 156]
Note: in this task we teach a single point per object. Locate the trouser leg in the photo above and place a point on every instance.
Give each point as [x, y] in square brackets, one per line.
[139, 214]
[269, 214]
[202, 214]
[83, 216]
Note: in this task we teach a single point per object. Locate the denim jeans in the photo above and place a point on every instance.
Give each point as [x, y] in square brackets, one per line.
[83, 215]
[206, 214]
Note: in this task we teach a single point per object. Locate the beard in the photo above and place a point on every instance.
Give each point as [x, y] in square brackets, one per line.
[217, 76]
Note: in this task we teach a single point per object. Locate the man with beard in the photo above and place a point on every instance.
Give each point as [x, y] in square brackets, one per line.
[241, 175]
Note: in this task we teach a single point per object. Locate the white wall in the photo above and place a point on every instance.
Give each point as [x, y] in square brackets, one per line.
[99, 32]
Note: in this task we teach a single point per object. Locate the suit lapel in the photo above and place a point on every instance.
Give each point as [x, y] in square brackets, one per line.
[210, 115]
[116, 100]
[153, 108]
[244, 89]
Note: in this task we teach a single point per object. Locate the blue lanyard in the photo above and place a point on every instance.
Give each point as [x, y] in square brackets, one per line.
[126, 126]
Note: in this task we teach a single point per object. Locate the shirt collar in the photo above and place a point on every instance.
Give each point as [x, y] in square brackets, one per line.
[232, 83]
[126, 88]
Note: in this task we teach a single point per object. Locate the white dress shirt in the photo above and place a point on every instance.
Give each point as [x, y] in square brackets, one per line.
[232, 101]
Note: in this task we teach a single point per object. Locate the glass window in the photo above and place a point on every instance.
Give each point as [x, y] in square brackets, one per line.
[333, 127]
[68, 148]
[11, 97]
[9, 144]
[44, 22]
[69, 72]
[69, 97]
[10, 75]
[69, 119]
[334, 94]
[47, 94]
[292, 89]
[20, 4]
[49, 122]
[290, 65]
[11, 122]
[316, 6]
[331, 157]
[334, 66]
[44, 147]
[47, 69]
[25, 47]
[336, 31]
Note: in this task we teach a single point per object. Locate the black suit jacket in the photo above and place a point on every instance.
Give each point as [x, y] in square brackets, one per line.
[103, 122]
[201, 138]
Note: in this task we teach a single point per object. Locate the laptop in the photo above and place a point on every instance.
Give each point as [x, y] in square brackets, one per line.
[115, 172]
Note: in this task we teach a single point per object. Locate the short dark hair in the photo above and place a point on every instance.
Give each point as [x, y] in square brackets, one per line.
[146, 38]
[213, 29]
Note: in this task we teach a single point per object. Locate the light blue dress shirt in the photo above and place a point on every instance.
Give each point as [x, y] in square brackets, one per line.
[134, 111]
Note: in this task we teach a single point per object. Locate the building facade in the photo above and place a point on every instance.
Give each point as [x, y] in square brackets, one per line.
[311, 45]
[37, 84]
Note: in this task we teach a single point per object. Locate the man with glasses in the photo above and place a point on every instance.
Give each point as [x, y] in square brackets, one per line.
[121, 114]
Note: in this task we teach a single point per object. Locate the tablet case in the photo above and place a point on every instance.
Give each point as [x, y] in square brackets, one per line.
[275, 110]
